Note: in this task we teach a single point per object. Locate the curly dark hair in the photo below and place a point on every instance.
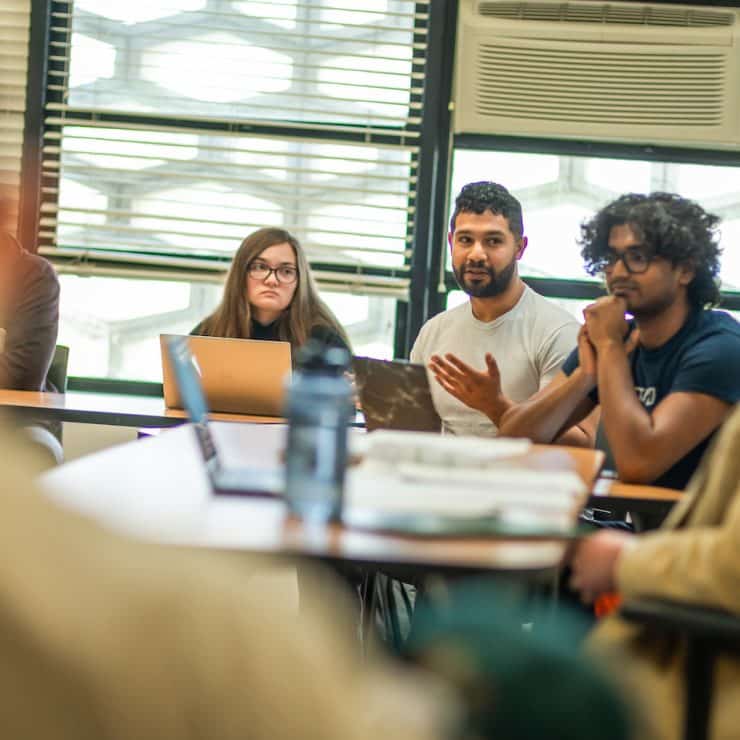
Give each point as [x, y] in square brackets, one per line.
[479, 197]
[672, 227]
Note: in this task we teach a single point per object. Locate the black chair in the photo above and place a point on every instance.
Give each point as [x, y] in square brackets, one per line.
[708, 633]
[57, 374]
[48, 435]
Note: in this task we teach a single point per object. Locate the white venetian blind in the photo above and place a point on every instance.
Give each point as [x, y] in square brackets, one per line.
[14, 32]
[175, 128]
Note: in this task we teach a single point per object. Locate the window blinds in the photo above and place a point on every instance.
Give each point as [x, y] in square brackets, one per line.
[174, 129]
[14, 33]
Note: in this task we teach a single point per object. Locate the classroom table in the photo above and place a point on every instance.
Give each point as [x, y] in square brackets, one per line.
[106, 408]
[157, 489]
[652, 501]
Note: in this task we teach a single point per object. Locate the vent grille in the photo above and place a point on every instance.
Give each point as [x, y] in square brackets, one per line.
[606, 13]
[610, 87]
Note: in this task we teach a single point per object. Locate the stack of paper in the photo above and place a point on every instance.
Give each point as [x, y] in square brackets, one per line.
[434, 449]
[459, 477]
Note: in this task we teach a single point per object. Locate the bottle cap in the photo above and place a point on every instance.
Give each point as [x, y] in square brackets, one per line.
[315, 356]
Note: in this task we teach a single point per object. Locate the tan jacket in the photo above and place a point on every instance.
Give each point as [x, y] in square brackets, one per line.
[105, 638]
[694, 557]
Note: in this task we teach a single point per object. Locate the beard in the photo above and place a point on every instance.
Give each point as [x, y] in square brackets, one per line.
[643, 308]
[495, 285]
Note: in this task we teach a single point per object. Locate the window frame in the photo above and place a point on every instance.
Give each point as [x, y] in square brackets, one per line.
[430, 283]
[48, 29]
[584, 289]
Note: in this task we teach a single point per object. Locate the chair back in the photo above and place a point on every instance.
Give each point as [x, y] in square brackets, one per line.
[57, 375]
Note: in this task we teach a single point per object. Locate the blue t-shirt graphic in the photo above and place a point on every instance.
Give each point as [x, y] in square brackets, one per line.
[702, 357]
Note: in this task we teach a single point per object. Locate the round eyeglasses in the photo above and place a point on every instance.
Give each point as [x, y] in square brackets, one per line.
[283, 274]
[635, 260]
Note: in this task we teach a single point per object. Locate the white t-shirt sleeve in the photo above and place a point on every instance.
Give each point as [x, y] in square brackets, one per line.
[555, 349]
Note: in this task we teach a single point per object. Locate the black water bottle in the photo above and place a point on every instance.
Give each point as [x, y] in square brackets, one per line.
[319, 409]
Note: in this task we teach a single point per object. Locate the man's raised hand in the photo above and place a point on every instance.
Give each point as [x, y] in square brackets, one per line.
[478, 389]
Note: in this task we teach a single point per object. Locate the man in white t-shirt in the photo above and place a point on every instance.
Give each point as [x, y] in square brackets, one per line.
[505, 330]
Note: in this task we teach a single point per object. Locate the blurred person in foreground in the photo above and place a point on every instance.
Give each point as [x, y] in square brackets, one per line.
[104, 637]
[518, 683]
[108, 638]
[694, 558]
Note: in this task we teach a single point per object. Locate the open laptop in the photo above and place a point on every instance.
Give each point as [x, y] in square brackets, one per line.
[227, 480]
[238, 376]
[395, 394]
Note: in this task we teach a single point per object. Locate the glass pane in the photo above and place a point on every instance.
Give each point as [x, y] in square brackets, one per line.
[369, 320]
[112, 325]
[181, 193]
[326, 61]
[558, 192]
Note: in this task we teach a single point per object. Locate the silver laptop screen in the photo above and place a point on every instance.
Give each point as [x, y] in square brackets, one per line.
[191, 392]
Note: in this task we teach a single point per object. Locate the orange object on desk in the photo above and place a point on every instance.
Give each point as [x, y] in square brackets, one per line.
[607, 604]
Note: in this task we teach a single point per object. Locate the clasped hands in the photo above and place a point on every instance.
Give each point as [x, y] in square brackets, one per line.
[604, 325]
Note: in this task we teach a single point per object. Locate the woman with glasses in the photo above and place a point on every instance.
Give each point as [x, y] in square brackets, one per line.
[271, 294]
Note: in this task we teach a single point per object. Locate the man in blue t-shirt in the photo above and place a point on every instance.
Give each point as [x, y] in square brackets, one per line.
[666, 380]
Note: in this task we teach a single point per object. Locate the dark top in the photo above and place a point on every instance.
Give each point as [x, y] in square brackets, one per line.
[29, 313]
[703, 356]
[324, 334]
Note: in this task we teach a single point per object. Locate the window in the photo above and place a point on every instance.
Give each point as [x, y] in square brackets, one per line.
[175, 128]
[557, 192]
[113, 324]
[14, 31]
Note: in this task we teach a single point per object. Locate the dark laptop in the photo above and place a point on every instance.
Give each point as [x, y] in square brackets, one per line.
[395, 394]
[225, 480]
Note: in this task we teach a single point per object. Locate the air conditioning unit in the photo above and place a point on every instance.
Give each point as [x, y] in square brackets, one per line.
[624, 72]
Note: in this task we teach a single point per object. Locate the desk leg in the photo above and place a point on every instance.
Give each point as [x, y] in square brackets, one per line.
[368, 605]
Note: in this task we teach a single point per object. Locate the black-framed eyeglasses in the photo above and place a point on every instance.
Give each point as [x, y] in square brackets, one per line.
[283, 273]
[635, 260]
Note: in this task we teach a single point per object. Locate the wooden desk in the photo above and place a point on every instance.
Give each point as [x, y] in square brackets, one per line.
[106, 408]
[623, 497]
[586, 462]
[157, 489]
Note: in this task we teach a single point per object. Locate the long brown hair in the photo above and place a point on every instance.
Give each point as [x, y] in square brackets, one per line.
[233, 317]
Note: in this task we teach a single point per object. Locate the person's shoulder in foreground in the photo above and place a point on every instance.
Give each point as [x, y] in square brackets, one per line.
[692, 559]
[106, 638]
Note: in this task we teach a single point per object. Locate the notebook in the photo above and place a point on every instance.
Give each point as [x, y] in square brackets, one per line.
[432, 485]
[395, 394]
[238, 376]
[223, 479]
